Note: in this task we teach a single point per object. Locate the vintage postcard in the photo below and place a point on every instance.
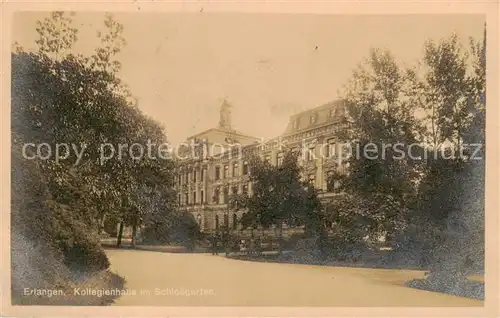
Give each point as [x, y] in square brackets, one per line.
[263, 159]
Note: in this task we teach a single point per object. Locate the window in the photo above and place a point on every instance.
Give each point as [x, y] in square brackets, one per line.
[186, 199]
[245, 167]
[245, 189]
[279, 159]
[226, 170]
[296, 124]
[194, 176]
[235, 169]
[194, 197]
[217, 173]
[226, 220]
[267, 159]
[202, 197]
[216, 221]
[186, 178]
[216, 197]
[225, 195]
[331, 184]
[310, 155]
[179, 199]
[331, 148]
[202, 174]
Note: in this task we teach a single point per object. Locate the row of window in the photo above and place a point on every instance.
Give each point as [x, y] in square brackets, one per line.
[222, 172]
[192, 176]
[235, 170]
[234, 223]
[216, 199]
[331, 186]
[186, 199]
[329, 151]
[313, 119]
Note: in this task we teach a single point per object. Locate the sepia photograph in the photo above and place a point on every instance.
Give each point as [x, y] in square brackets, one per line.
[238, 159]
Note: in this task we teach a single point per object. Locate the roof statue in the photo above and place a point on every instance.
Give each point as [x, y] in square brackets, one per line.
[225, 115]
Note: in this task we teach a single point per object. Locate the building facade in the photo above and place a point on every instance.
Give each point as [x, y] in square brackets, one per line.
[214, 164]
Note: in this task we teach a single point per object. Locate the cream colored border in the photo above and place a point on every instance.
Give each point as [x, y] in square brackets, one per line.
[489, 8]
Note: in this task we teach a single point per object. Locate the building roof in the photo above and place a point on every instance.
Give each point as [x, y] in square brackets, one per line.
[224, 131]
[329, 112]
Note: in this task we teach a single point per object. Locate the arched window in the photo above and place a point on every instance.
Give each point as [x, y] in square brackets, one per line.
[245, 167]
[235, 169]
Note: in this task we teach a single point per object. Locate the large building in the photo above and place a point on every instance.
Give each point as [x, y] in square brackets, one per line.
[214, 163]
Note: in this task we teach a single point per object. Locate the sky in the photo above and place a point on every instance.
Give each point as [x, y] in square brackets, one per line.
[268, 66]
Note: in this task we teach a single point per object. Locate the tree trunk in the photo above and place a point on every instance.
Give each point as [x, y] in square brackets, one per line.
[100, 226]
[120, 234]
[280, 245]
[134, 233]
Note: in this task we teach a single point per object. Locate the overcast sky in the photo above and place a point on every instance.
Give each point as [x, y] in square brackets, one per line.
[268, 66]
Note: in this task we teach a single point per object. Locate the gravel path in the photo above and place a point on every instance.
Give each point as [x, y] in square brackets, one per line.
[178, 279]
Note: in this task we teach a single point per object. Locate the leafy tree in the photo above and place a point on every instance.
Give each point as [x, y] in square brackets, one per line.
[59, 97]
[280, 196]
[452, 192]
[57, 35]
[383, 120]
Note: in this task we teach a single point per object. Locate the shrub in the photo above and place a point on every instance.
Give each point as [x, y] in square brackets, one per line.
[49, 241]
[180, 228]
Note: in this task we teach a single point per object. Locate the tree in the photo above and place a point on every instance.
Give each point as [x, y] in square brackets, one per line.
[452, 191]
[280, 196]
[56, 35]
[59, 98]
[382, 120]
[425, 202]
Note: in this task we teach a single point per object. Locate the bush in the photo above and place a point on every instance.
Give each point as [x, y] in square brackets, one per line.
[49, 241]
[179, 228]
[86, 257]
[292, 241]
